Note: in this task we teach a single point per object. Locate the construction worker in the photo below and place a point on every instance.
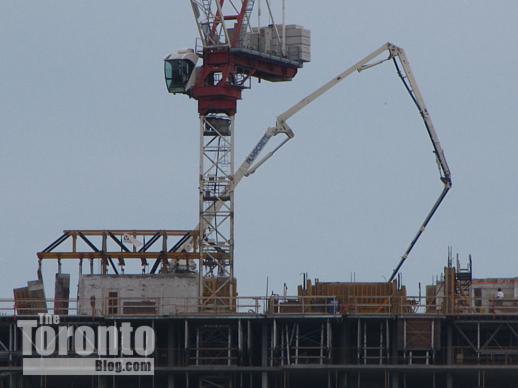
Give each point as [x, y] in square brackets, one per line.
[499, 297]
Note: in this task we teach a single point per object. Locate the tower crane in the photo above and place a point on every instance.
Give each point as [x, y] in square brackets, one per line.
[233, 52]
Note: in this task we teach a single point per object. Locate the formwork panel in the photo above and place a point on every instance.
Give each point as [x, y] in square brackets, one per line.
[418, 334]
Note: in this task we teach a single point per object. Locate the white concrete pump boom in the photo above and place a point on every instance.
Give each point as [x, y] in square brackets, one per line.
[281, 127]
[410, 84]
[445, 174]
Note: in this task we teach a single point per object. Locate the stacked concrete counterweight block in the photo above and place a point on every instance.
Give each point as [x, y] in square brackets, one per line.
[268, 40]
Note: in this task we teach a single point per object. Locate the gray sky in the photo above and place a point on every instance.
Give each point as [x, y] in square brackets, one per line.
[91, 139]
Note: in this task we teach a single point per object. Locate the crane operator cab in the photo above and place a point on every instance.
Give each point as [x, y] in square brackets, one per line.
[179, 69]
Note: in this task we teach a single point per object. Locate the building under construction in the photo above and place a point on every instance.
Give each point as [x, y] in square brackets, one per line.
[462, 332]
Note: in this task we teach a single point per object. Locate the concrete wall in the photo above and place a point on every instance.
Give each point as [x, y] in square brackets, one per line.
[161, 294]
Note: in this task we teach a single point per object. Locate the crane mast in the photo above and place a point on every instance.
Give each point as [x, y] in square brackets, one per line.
[233, 53]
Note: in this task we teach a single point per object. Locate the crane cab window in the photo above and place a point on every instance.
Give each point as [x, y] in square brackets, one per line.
[177, 74]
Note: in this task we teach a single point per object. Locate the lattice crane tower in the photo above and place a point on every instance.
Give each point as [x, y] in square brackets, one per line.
[233, 52]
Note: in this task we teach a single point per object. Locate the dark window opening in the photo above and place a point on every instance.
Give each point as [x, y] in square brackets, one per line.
[113, 303]
[177, 74]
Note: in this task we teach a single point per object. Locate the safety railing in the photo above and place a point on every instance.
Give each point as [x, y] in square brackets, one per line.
[421, 305]
[165, 306]
[273, 305]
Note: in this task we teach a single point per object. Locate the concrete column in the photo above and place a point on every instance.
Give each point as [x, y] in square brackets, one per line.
[102, 382]
[449, 353]
[12, 380]
[240, 342]
[449, 380]
[394, 380]
[343, 380]
[264, 380]
[393, 343]
[25, 382]
[249, 349]
[171, 354]
[343, 353]
[264, 354]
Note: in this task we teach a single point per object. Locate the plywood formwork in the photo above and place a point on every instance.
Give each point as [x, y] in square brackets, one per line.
[61, 293]
[30, 300]
[219, 294]
[419, 334]
[359, 297]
